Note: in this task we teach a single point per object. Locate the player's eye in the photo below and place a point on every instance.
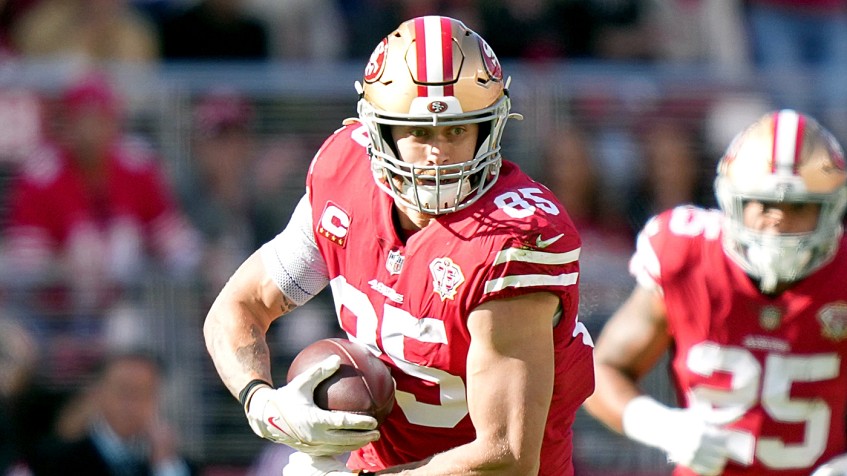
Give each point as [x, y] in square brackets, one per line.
[458, 130]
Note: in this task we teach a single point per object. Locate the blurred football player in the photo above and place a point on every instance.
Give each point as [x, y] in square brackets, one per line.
[750, 302]
[446, 261]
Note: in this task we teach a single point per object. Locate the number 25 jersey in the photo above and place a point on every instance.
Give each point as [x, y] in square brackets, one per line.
[770, 368]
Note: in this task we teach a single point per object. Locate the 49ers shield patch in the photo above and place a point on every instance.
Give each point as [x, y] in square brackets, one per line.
[833, 319]
[446, 277]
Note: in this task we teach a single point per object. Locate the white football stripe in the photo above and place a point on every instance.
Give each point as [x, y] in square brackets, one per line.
[785, 144]
[434, 55]
[540, 257]
[530, 280]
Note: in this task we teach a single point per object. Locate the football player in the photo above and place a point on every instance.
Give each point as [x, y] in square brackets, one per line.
[446, 261]
[750, 302]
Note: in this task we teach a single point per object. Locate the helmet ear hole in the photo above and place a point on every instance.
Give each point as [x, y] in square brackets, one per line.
[388, 138]
[483, 133]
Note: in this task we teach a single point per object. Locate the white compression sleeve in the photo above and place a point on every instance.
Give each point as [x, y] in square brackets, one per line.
[293, 260]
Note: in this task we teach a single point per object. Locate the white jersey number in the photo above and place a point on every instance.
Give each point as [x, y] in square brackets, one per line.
[397, 326]
[770, 386]
[523, 203]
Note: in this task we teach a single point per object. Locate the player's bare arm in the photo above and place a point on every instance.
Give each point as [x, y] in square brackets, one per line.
[631, 343]
[237, 322]
[510, 384]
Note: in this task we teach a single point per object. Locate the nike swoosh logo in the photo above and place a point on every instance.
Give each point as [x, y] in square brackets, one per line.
[539, 243]
[272, 422]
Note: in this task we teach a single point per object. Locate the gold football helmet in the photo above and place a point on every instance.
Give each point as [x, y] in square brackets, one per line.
[434, 71]
[784, 156]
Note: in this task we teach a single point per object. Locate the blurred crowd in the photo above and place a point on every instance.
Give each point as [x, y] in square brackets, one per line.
[92, 212]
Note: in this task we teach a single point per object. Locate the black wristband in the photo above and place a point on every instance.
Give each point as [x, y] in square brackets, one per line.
[245, 392]
[364, 472]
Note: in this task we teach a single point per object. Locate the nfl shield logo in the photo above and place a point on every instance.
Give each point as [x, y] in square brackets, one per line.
[770, 318]
[394, 263]
[446, 277]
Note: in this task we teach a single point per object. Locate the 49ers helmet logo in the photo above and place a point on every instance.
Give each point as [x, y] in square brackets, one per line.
[492, 64]
[376, 64]
[437, 106]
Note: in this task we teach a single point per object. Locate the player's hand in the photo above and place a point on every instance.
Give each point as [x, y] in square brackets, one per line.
[683, 434]
[289, 415]
[301, 464]
[835, 467]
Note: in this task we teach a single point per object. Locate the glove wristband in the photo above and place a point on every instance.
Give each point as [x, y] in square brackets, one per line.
[246, 392]
[364, 472]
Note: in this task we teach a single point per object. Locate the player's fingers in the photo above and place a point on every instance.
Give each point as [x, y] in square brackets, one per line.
[325, 449]
[349, 421]
[317, 373]
[355, 436]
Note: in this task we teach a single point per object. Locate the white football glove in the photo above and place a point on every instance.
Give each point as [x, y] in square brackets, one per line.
[302, 464]
[289, 415]
[835, 467]
[685, 436]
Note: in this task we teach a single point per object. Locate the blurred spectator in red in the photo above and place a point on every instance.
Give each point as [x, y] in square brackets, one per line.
[121, 428]
[90, 209]
[86, 30]
[214, 30]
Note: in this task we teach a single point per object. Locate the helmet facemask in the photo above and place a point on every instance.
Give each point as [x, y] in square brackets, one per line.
[436, 189]
[813, 172]
[401, 89]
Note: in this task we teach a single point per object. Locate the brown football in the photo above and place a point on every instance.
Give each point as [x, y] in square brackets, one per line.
[362, 384]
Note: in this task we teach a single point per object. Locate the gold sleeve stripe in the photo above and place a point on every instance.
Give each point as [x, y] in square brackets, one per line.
[531, 256]
[530, 280]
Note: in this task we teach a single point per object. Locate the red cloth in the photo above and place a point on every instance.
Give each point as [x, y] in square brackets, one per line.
[774, 369]
[436, 278]
[51, 194]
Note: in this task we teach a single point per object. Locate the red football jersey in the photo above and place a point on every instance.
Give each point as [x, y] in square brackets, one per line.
[409, 302]
[771, 368]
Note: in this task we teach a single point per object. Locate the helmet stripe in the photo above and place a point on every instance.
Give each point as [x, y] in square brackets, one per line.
[447, 54]
[434, 50]
[420, 53]
[787, 136]
[798, 146]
